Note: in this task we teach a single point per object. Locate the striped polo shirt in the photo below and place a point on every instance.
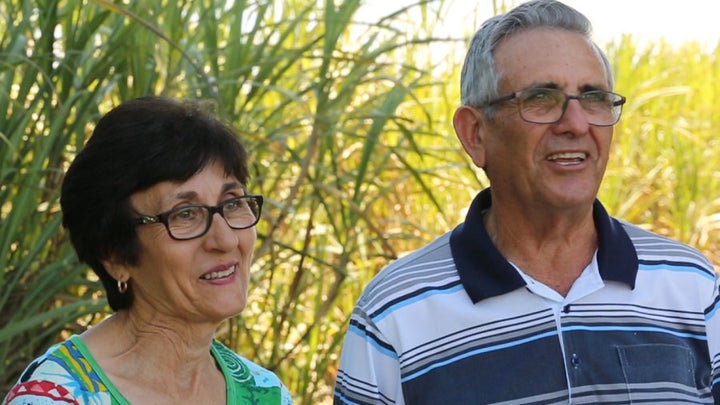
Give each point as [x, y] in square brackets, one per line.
[456, 323]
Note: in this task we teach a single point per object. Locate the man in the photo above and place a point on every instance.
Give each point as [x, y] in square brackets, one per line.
[539, 296]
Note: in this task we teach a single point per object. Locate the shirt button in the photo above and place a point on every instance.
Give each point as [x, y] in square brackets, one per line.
[575, 360]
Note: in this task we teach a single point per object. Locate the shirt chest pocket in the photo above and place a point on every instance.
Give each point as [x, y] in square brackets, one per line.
[656, 368]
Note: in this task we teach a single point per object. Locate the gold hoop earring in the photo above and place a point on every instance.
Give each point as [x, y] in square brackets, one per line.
[122, 286]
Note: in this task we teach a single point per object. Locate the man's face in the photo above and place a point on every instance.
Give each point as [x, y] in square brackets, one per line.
[548, 166]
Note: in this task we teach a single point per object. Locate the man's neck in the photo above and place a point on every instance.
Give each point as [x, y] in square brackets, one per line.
[552, 249]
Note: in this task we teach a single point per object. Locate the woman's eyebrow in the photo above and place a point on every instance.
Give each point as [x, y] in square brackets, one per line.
[186, 195]
[192, 195]
[232, 185]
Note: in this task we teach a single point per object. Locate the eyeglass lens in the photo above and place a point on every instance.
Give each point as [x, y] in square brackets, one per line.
[545, 106]
[193, 221]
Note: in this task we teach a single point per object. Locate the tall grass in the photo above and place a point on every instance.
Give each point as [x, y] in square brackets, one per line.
[348, 123]
[48, 96]
[665, 170]
[312, 101]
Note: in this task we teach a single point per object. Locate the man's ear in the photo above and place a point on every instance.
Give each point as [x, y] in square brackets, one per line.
[470, 129]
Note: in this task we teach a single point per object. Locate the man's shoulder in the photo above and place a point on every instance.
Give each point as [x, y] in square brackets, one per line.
[435, 253]
[436, 250]
[655, 251]
[651, 244]
[430, 266]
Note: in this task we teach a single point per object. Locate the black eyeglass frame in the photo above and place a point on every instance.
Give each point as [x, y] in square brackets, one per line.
[162, 217]
[617, 103]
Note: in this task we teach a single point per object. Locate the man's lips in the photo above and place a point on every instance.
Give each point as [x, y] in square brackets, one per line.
[567, 158]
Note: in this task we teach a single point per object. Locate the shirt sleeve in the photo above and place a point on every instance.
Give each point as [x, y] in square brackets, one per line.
[39, 392]
[369, 371]
[712, 317]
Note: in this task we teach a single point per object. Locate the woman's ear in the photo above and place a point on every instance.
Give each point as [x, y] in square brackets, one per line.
[470, 129]
[116, 270]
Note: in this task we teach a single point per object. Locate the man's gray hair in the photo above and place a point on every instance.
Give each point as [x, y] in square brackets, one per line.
[479, 79]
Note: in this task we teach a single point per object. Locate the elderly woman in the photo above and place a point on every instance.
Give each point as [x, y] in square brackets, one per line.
[157, 204]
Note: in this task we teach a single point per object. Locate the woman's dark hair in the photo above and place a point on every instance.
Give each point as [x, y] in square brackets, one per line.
[136, 145]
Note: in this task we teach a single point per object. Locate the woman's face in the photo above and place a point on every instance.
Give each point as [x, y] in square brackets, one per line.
[198, 280]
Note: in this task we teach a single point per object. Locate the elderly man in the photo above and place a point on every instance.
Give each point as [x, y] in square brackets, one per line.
[539, 296]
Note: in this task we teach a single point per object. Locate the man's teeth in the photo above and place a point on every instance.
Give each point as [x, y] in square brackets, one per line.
[218, 274]
[567, 158]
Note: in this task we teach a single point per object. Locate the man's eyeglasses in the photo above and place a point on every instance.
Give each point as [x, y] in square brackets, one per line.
[547, 106]
[193, 221]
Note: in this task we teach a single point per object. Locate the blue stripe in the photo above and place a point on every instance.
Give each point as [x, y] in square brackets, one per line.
[345, 400]
[713, 308]
[476, 352]
[373, 342]
[712, 313]
[415, 299]
[635, 329]
[675, 268]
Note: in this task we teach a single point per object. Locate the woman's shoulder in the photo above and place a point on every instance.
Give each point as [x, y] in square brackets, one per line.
[39, 392]
[250, 378]
[242, 369]
[62, 375]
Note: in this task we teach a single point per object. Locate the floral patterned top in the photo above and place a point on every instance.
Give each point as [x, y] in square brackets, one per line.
[68, 374]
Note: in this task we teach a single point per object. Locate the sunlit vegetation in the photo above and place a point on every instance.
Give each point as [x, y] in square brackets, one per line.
[348, 123]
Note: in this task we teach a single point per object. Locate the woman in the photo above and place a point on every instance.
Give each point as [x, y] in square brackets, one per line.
[140, 204]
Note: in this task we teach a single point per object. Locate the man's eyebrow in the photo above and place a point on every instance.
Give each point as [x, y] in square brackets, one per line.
[544, 85]
[581, 89]
[592, 87]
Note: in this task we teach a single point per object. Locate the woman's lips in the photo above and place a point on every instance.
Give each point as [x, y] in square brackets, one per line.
[219, 274]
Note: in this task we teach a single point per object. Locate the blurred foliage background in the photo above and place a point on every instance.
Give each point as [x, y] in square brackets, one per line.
[348, 119]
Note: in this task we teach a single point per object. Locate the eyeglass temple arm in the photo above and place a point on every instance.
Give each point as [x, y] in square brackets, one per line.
[147, 220]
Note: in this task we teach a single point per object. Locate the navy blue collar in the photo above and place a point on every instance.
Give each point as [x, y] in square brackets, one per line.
[485, 273]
